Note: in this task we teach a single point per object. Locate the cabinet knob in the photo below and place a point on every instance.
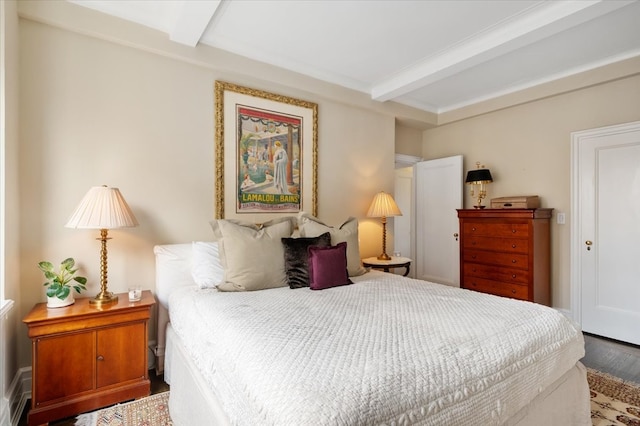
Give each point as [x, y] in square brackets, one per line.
[100, 358]
[513, 231]
[513, 261]
[513, 276]
[473, 229]
[513, 246]
[513, 291]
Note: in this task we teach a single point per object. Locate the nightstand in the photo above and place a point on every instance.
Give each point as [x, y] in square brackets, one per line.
[85, 358]
[385, 265]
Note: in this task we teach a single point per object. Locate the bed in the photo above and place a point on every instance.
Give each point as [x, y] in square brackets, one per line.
[385, 349]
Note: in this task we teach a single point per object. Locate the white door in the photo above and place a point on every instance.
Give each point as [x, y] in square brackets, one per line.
[438, 193]
[606, 235]
[403, 195]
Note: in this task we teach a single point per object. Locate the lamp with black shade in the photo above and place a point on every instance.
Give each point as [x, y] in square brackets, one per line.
[479, 177]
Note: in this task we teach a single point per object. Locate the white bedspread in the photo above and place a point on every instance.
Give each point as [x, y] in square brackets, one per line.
[385, 350]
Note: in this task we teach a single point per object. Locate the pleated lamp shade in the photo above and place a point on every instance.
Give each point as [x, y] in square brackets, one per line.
[102, 208]
[383, 205]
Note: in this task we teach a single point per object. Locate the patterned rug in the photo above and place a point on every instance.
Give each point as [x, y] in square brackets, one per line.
[150, 411]
[613, 401]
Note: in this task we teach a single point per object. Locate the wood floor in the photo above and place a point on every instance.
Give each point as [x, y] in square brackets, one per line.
[612, 357]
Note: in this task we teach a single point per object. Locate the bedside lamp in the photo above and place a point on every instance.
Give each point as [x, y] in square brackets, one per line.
[384, 206]
[480, 177]
[102, 208]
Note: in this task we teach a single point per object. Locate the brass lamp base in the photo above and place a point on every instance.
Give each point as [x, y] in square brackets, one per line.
[384, 256]
[103, 299]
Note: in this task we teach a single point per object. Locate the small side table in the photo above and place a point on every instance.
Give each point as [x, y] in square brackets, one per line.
[385, 265]
[86, 358]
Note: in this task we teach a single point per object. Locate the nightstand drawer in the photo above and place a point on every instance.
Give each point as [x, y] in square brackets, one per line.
[496, 273]
[498, 288]
[519, 261]
[509, 245]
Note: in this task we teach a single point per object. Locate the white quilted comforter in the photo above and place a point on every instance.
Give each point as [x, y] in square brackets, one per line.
[386, 350]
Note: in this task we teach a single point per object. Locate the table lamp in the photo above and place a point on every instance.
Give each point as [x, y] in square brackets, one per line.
[383, 206]
[102, 208]
[480, 177]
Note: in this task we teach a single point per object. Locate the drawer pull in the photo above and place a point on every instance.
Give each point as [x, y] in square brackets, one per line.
[513, 231]
[513, 246]
[474, 270]
[513, 276]
[473, 256]
[513, 261]
[100, 358]
[513, 291]
[473, 229]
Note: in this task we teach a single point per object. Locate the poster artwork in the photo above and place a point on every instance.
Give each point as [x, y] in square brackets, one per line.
[269, 167]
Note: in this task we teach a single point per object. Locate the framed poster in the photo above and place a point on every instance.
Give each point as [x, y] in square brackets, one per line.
[266, 154]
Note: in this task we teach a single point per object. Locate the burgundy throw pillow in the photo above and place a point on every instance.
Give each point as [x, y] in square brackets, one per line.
[328, 267]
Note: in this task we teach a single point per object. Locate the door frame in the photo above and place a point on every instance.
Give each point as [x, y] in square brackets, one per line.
[576, 225]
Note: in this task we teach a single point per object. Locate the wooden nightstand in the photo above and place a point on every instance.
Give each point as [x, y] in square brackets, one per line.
[85, 358]
[385, 265]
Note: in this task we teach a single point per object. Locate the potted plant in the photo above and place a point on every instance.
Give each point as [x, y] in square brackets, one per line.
[60, 286]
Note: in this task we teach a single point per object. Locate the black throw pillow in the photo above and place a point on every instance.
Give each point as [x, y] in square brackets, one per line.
[296, 258]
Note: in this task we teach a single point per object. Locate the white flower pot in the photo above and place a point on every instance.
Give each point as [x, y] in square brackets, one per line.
[54, 302]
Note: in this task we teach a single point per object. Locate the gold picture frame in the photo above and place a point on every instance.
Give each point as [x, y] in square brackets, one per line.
[266, 154]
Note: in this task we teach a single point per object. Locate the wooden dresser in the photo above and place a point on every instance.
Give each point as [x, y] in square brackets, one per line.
[506, 252]
[86, 358]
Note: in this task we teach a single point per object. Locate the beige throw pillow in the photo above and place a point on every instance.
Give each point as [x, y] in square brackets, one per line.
[252, 255]
[311, 226]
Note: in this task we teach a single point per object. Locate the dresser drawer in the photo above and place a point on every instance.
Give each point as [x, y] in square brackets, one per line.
[495, 229]
[498, 288]
[509, 245]
[496, 273]
[519, 261]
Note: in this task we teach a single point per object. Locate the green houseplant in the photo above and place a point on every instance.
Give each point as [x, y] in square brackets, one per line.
[59, 284]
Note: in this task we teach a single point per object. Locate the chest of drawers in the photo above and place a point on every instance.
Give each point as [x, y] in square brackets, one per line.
[506, 252]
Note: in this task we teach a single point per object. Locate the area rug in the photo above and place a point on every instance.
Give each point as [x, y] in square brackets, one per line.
[613, 401]
[150, 411]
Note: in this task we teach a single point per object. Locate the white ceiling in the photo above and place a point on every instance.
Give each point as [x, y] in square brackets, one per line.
[433, 55]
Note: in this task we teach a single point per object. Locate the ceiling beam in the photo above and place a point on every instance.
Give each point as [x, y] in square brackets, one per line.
[193, 21]
[540, 22]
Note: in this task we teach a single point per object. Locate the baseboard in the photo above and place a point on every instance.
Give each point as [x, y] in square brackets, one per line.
[565, 312]
[18, 394]
[151, 354]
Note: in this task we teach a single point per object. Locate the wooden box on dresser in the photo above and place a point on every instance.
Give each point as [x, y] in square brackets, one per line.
[506, 252]
[86, 357]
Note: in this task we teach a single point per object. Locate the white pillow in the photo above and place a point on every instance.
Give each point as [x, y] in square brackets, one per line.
[206, 268]
[311, 226]
[252, 255]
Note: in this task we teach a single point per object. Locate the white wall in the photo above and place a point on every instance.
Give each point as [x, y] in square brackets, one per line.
[527, 148]
[9, 250]
[95, 112]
